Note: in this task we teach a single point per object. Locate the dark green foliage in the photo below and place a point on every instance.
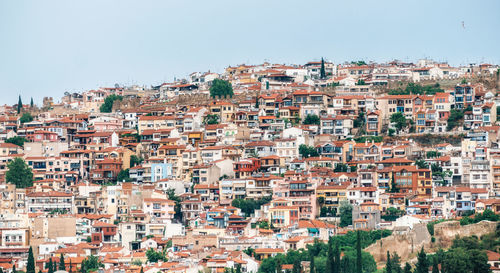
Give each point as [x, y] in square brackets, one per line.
[358, 63]
[322, 71]
[19, 105]
[19, 173]
[211, 119]
[107, 106]
[26, 117]
[432, 154]
[155, 256]
[361, 82]
[407, 268]
[359, 121]
[19, 141]
[359, 258]
[421, 164]
[91, 263]
[135, 161]
[417, 89]
[363, 139]
[30, 267]
[123, 175]
[388, 264]
[399, 121]
[307, 151]
[249, 206]
[345, 211]
[62, 266]
[454, 119]
[172, 196]
[31, 103]
[486, 215]
[394, 186]
[430, 226]
[341, 168]
[422, 265]
[221, 89]
[312, 119]
[296, 266]
[435, 265]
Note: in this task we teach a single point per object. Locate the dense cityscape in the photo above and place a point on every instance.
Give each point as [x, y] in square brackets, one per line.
[316, 167]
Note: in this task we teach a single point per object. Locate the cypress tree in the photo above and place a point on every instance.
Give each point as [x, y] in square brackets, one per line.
[435, 265]
[311, 265]
[296, 266]
[70, 266]
[330, 257]
[1, 270]
[336, 257]
[30, 267]
[142, 270]
[19, 105]
[82, 267]
[388, 265]
[322, 71]
[50, 266]
[407, 268]
[422, 265]
[61, 263]
[359, 262]
[31, 103]
[238, 268]
[14, 268]
[54, 267]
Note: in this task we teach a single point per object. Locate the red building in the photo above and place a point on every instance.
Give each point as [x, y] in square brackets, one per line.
[245, 168]
[103, 232]
[106, 170]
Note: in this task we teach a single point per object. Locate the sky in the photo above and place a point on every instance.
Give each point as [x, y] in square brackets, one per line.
[53, 46]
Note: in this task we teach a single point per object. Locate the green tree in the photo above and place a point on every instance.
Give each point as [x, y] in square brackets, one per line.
[388, 264]
[359, 121]
[421, 164]
[359, 261]
[345, 210]
[30, 267]
[211, 119]
[407, 268]
[361, 82]
[422, 265]
[155, 256]
[135, 161]
[107, 106]
[62, 266]
[91, 263]
[399, 121]
[307, 151]
[26, 117]
[322, 71]
[19, 105]
[123, 175]
[341, 168]
[19, 173]
[435, 265]
[14, 270]
[31, 103]
[312, 120]
[454, 119]
[221, 88]
[19, 141]
[296, 267]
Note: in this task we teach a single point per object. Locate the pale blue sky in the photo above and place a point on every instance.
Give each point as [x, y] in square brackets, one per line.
[49, 47]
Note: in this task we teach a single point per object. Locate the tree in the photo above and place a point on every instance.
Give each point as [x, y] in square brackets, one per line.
[107, 106]
[359, 121]
[407, 268]
[478, 261]
[70, 266]
[172, 196]
[455, 261]
[454, 118]
[311, 264]
[91, 263]
[123, 175]
[399, 121]
[359, 261]
[31, 103]
[14, 268]
[26, 117]
[296, 267]
[307, 151]
[19, 141]
[30, 267]
[422, 265]
[62, 266]
[155, 256]
[135, 161]
[435, 265]
[19, 105]
[211, 119]
[142, 270]
[394, 186]
[311, 119]
[388, 265]
[421, 164]
[341, 168]
[322, 71]
[345, 210]
[361, 82]
[221, 88]
[19, 173]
